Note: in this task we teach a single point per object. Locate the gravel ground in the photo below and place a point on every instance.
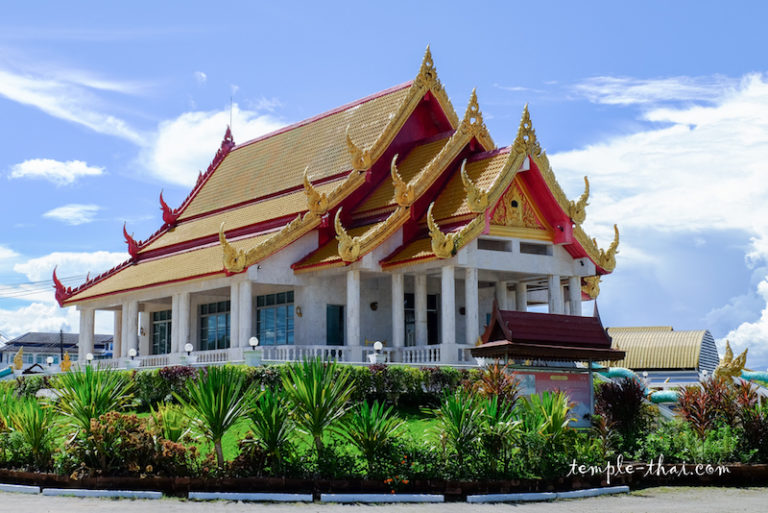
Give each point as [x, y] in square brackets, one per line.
[651, 500]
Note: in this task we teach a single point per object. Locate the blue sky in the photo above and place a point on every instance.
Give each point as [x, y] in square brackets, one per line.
[663, 105]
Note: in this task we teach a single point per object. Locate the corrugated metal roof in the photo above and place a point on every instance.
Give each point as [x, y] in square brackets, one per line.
[659, 347]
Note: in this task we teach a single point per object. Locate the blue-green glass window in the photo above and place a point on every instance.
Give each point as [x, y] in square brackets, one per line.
[161, 332]
[214, 326]
[274, 318]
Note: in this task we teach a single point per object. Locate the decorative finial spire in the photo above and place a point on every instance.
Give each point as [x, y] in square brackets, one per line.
[133, 246]
[404, 193]
[578, 209]
[349, 247]
[169, 215]
[427, 69]
[477, 199]
[526, 141]
[473, 124]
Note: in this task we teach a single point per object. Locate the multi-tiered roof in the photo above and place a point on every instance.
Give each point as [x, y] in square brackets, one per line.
[399, 159]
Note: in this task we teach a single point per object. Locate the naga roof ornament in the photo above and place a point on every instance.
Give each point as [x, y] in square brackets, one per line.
[317, 203]
[349, 247]
[234, 260]
[61, 292]
[578, 209]
[133, 246]
[607, 259]
[731, 367]
[361, 159]
[477, 198]
[169, 215]
[591, 286]
[443, 244]
[405, 194]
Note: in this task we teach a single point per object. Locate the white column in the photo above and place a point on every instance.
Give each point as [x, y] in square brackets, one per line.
[130, 336]
[555, 294]
[180, 322]
[521, 297]
[352, 340]
[501, 295]
[574, 294]
[234, 315]
[245, 327]
[420, 305]
[471, 305]
[145, 326]
[117, 333]
[447, 315]
[398, 310]
[85, 338]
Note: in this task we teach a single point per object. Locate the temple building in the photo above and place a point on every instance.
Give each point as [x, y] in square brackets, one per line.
[389, 219]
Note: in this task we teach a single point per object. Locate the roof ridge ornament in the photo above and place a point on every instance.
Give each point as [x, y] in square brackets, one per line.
[427, 73]
[405, 194]
[62, 293]
[443, 244]
[526, 141]
[607, 259]
[169, 215]
[317, 202]
[361, 159]
[591, 286]
[477, 198]
[730, 366]
[577, 210]
[349, 247]
[472, 124]
[234, 260]
[133, 245]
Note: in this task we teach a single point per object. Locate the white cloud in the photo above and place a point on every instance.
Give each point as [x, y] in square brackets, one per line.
[201, 77]
[59, 173]
[69, 264]
[48, 317]
[186, 145]
[7, 253]
[74, 214]
[704, 171]
[69, 95]
[629, 91]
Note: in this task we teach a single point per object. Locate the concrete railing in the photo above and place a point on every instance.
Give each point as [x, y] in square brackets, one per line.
[421, 354]
[296, 353]
[233, 354]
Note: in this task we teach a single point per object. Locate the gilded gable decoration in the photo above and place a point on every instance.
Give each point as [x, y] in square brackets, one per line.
[477, 199]
[349, 247]
[591, 286]
[404, 193]
[443, 245]
[317, 203]
[515, 210]
[578, 209]
[526, 141]
[473, 124]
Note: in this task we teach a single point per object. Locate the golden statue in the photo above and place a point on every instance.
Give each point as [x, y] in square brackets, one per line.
[730, 366]
[18, 360]
[66, 363]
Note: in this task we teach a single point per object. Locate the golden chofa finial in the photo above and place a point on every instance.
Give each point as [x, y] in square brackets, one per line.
[317, 203]
[730, 366]
[233, 260]
[361, 159]
[526, 141]
[591, 286]
[404, 193]
[473, 124]
[578, 209]
[607, 259]
[443, 245]
[349, 247]
[477, 199]
[427, 73]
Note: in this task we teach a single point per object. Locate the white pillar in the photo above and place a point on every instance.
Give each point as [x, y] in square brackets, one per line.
[471, 306]
[245, 326]
[130, 336]
[420, 306]
[117, 333]
[521, 297]
[85, 338]
[501, 295]
[234, 315]
[145, 327]
[447, 315]
[398, 310]
[555, 294]
[352, 339]
[574, 294]
[180, 322]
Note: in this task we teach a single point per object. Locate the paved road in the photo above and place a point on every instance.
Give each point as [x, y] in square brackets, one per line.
[652, 500]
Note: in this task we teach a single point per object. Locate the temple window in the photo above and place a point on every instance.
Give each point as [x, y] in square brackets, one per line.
[274, 318]
[530, 248]
[161, 332]
[214, 326]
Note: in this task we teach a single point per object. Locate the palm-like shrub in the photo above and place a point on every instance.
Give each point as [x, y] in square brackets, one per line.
[370, 428]
[622, 406]
[36, 426]
[215, 401]
[88, 394]
[500, 432]
[319, 392]
[547, 414]
[170, 422]
[498, 381]
[459, 421]
[272, 426]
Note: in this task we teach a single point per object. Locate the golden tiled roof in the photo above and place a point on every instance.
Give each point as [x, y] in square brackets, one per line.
[419, 249]
[181, 266]
[658, 347]
[276, 162]
[280, 206]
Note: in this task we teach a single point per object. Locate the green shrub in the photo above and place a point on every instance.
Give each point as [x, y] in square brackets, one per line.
[371, 428]
[460, 421]
[622, 404]
[273, 428]
[153, 387]
[171, 423]
[36, 426]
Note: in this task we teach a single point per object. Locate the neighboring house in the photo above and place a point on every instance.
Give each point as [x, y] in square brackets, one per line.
[670, 358]
[39, 346]
[390, 219]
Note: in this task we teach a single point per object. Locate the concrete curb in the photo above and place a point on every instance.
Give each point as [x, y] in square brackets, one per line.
[546, 496]
[121, 494]
[379, 497]
[250, 497]
[12, 488]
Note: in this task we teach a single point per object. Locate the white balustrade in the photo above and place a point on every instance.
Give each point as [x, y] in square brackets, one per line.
[231, 354]
[421, 354]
